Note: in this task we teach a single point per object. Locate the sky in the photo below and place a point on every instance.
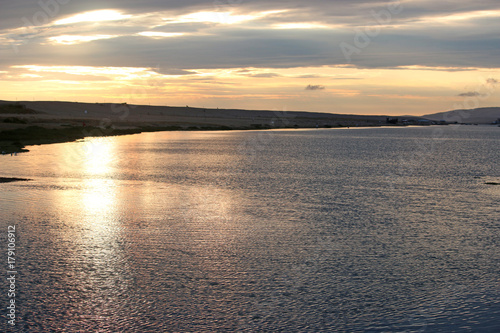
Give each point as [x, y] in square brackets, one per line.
[410, 57]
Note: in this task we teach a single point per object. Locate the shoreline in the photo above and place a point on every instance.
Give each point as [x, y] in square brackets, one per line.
[34, 123]
[12, 179]
[15, 141]
[34, 135]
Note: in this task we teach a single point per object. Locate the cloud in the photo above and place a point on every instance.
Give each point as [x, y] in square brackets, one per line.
[68, 40]
[189, 45]
[175, 34]
[315, 87]
[265, 75]
[436, 68]
[93, 16]
[172, 71]
[492, 81]
[470, 94]
[347, 78]
[309, 76]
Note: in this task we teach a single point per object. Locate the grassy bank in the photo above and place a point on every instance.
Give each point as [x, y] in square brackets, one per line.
[10, 180]
[16, 140]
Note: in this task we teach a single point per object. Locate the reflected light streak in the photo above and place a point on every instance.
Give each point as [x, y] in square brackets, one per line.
[99, 189]
[89, 228]
[92, 204]
[99, 156]
[99, 202]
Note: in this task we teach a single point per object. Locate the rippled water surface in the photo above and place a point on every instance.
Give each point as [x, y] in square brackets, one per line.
[379, 230]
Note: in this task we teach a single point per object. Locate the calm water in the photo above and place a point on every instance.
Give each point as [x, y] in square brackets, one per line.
[378, 230]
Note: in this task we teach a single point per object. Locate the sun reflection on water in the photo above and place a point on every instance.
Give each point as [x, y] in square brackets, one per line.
[92, 213]
[99, 201]
[99, 156]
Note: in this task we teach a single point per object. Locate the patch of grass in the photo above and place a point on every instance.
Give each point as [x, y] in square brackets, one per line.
[14, 120]
[216, 128]
[15, 108]
[160, 128]
[9, 179]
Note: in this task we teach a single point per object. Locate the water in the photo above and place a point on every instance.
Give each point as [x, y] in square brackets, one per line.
[351, 230]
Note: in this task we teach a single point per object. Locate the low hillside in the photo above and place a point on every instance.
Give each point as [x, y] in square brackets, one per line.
[476, 116]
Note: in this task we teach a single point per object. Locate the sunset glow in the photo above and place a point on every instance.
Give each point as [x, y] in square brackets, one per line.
[156, 34]
[300, 26]
[363, 58]
[215, 17]
[94, 16]
[69, 40]
[250, 165]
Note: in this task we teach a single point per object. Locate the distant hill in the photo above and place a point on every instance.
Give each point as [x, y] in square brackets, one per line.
[477, 116]
[51, 114]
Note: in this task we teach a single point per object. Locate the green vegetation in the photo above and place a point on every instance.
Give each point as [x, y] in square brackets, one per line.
[40, 133]
[14, 120]
[9, 180]
[15, 140]
[15, 108]
[260, 126]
